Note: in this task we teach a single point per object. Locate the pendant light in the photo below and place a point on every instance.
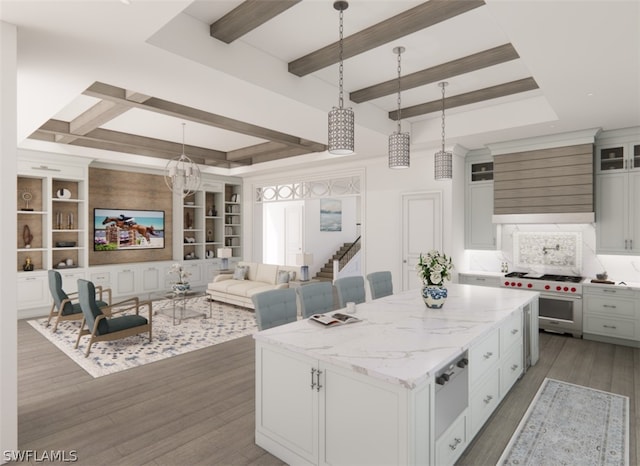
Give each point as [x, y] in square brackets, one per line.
[341, 120]
[443, 160]
[182, 175]
[399, 141]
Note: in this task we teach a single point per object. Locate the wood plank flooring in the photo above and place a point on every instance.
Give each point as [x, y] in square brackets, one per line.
[198, 408]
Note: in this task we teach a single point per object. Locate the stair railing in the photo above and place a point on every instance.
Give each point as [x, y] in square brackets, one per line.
[344, 259]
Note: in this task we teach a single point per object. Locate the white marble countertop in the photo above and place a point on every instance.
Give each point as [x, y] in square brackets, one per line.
[399, 339]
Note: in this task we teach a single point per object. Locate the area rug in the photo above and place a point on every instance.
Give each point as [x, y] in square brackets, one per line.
[569, 424]
[107, 357]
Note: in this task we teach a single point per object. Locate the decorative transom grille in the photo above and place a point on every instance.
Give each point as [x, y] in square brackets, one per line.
[347, 186]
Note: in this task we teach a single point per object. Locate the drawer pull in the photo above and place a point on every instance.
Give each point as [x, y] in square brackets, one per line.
[514, 331]
[606, 290]
[610, 306]
[456, 441]
[488, 399]
[613, 327]
[487, 355]
[514, 367]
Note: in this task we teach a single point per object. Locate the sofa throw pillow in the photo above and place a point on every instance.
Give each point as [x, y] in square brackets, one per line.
[240, 273]
[283, 276]
[292, 276]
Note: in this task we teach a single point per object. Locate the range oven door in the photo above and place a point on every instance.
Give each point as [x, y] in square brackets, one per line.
[562, 314]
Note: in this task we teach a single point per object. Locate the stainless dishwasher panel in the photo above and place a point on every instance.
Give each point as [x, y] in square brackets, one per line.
[451, 393]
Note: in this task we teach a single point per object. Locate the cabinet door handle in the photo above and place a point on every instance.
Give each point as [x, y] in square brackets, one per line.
[318, 386]
[457, 441]
[487, 355]
[514, 367]
[488, 399]
[514, 331]
[313, 380]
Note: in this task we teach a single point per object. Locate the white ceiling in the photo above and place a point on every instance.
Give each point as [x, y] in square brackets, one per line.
[583, 54]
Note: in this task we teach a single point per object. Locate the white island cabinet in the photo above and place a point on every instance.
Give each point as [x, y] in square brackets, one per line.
[364, 393]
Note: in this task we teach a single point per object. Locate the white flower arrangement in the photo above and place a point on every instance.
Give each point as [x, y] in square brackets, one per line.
[182, 273]
[434, 268]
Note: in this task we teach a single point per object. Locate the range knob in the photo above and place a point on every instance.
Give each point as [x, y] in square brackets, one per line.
[464, 362]
[519, 284]
[573, 289]
[547, 287]
[558, 288]
[513, 283]
[529, 285]
[566, 288]
[443, 379]
[506, 283]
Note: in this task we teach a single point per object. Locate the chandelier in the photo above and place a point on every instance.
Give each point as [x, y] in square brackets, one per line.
[181, 174]
[399, 141]
[443, 159]
[341, 120]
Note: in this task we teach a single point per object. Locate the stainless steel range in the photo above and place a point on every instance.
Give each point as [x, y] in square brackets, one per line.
[560, 305]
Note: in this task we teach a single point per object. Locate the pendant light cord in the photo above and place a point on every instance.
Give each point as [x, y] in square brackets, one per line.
[442, 85]
[400, 49]
[183, 125]
[341, 67]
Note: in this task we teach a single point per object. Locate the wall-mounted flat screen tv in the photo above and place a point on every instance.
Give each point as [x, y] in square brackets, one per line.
[126, 229]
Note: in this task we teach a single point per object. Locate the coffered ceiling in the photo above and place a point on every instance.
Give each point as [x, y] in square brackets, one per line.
[255, 79]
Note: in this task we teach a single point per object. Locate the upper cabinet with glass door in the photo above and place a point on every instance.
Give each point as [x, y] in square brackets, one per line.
[618, 157]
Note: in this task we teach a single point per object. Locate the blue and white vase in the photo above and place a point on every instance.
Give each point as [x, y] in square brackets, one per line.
[434, 296]
[179, 288]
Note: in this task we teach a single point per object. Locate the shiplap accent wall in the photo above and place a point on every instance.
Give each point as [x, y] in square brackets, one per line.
[557, 180]
[113, 189]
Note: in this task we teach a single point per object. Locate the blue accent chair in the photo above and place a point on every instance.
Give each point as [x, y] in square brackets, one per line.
[102, 324]
[315, 298]
[275, 307]
[380, 284]
[350, 289]
[63, 306]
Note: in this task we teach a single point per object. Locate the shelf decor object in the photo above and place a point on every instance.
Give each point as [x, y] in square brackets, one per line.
[341, 120]
[304, 260]
[182, 175]
[399, 141]
[443, 159]
[224, 254]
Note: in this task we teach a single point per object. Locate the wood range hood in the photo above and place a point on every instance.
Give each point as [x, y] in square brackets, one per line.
[546, 184]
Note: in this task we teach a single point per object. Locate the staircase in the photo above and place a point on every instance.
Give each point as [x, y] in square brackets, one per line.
[326, 272]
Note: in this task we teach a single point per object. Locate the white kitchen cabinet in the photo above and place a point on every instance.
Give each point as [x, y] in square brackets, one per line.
[480, 232]
[479, 280]
[453, 441]
[33, 290]
[611, 314]
[70, 279]
[125, 281]
[618, 199]
[311, 412]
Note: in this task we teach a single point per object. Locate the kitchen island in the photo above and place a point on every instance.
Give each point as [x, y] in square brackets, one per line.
[364, 393]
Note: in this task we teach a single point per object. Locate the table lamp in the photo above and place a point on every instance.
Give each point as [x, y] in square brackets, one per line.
[304, 260]
[224, 254]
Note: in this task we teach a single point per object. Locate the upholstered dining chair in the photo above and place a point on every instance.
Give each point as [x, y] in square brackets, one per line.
[275, 307]
[380, 284]
[350, 289]
[103, 324]
[65, 306]
[315, 298]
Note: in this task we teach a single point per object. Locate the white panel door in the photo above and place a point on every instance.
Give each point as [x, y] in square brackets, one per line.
[294, 230]
[421, 232]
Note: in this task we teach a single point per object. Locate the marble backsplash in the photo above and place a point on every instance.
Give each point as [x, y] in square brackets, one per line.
[568, 249]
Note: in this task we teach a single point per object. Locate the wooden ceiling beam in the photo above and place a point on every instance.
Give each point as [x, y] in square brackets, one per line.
[129, 143]
[246, 17]
[105, 91]
[409, 21]
[493, 92]
[477, 61]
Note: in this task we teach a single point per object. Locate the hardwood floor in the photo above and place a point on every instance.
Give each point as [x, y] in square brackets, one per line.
[198, 408]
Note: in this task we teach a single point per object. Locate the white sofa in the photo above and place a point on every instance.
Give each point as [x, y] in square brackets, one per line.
[260, 277]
